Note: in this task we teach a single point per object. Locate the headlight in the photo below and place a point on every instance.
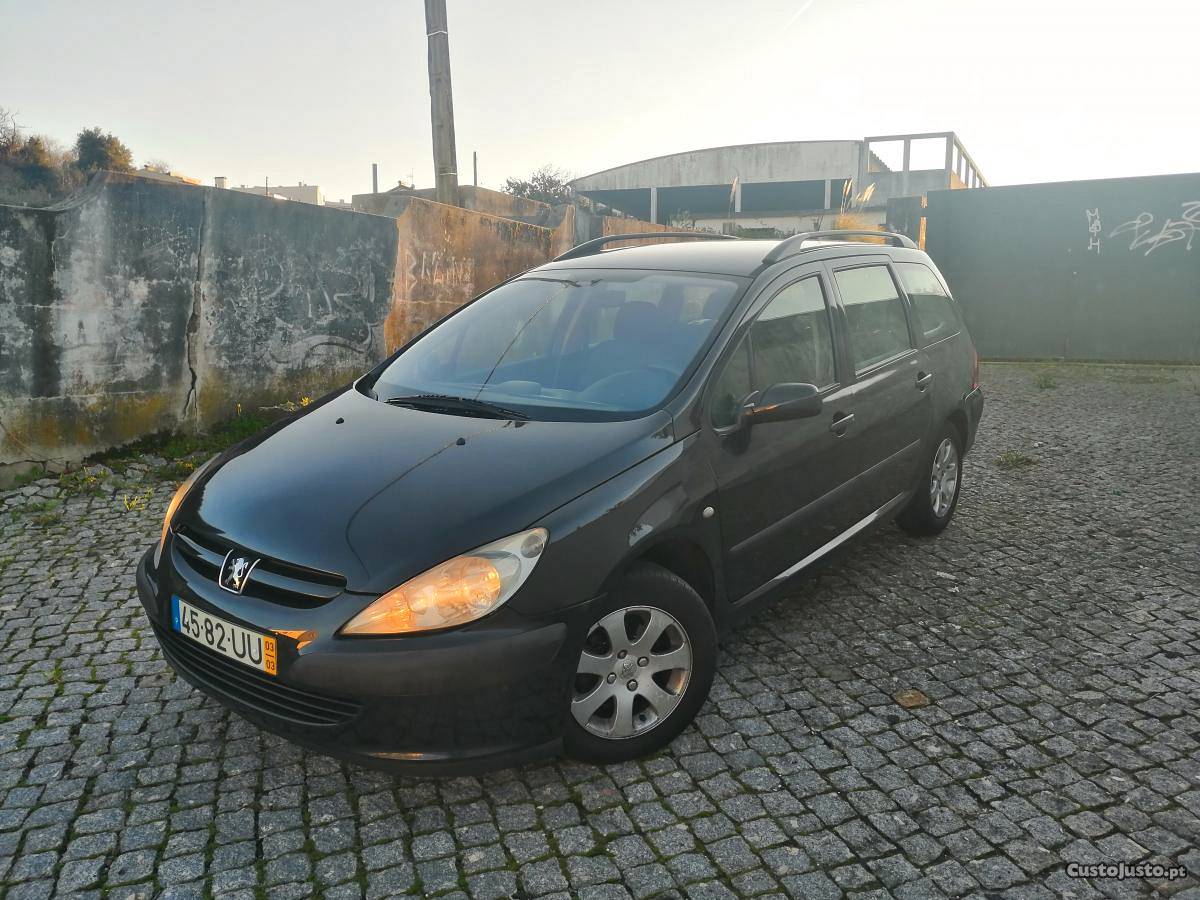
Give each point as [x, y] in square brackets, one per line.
[174, 505]
[459, 590]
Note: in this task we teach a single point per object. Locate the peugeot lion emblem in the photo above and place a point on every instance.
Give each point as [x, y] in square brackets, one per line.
[235, 572]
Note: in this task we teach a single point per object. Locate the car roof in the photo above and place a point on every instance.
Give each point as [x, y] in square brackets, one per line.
[733, 257]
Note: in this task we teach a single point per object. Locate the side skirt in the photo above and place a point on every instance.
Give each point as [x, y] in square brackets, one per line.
[884, 512]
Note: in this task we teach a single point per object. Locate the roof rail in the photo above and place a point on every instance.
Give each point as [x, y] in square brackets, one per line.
[589, 248]
[789, 246]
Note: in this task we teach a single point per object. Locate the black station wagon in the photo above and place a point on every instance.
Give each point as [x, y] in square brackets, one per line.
[522, 532]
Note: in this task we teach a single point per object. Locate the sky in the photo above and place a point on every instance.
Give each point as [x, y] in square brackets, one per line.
[316, 92]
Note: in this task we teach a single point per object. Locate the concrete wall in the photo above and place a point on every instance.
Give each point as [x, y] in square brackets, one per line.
[1106, 269]
[94, 316]
[620, 225]
[292, 299]
[789, 224]
[143, 306]
[565, 233]
[479, 199]
[447, 255]
[889, 185]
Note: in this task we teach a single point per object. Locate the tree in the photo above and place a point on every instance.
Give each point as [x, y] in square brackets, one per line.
[158, 165]
[94, 149]
[10, 133]
[37, 163]
[34, 170]
[547, 184]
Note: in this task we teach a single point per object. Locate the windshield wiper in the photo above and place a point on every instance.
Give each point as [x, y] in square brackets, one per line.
[468, 405]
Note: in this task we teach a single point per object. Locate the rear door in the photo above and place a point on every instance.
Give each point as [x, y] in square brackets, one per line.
[778, 481]
[891, 397]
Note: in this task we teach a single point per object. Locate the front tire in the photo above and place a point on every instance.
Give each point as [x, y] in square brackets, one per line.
[932, 506]
[644, 669]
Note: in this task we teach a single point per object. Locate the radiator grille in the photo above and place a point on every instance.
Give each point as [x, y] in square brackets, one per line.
[228, 679]
[272, 580]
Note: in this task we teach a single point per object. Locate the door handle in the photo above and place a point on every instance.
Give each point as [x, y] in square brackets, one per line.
[923, 379]
[839, 425]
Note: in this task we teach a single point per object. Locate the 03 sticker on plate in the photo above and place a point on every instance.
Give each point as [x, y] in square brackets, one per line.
[247, 647]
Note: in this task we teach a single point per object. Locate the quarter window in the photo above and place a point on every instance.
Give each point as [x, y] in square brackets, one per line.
[875, 315]
[936, 312]
[733, 387]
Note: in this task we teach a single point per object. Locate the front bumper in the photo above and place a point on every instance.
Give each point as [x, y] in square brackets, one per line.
[486, 696]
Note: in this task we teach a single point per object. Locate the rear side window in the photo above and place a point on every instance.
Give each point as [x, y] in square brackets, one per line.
[875, 316]
[936, 312]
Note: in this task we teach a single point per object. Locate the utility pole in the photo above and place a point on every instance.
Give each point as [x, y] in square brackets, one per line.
[441, 102]
[374, 178]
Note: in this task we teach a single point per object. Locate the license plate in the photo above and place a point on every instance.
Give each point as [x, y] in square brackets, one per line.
[247, 647]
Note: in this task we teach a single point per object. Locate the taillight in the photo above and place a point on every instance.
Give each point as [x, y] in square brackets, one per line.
[974, 369]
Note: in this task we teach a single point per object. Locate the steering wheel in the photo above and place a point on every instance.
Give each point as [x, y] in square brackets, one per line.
[620, 385]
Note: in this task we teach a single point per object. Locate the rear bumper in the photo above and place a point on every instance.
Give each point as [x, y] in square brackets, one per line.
[973, 405]
[475, 700]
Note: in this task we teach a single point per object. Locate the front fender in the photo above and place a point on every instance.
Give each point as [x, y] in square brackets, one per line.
[600, 534]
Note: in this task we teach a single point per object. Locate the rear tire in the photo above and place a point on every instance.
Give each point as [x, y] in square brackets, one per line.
[644, 668]
[932, 506]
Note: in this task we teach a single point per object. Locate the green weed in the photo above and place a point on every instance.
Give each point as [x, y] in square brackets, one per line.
[1013, 459]
[137, 502]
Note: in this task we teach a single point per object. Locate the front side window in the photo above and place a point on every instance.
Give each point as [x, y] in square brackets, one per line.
[936, 312]
[568, 344]
[875, 316]
[789, 341]
[791, 338]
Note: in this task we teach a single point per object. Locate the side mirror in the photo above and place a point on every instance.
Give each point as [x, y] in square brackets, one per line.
[784, 401]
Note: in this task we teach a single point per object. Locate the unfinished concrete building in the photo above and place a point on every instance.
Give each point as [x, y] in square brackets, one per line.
[786, 186]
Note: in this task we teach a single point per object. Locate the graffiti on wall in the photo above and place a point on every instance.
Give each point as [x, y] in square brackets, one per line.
[277, 310]
[431, 282]
[1094, 228]
[1145, 232]
[431, 274]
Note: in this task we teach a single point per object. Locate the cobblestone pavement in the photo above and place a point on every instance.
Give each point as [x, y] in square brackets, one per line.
[1053, 629]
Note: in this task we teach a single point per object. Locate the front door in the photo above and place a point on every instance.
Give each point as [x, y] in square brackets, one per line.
[777, 480]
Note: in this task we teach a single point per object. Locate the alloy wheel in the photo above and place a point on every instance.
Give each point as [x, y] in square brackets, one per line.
[632, 673]
[943, 482]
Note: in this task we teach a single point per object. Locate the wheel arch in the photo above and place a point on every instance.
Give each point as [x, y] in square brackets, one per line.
[682, 556]
[958, 418]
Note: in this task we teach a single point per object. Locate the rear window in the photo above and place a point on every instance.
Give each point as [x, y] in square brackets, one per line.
[937, 314]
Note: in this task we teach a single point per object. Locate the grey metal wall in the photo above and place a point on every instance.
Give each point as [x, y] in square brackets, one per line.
[1106, 269]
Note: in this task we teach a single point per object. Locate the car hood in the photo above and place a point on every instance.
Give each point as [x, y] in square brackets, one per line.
[378, 493]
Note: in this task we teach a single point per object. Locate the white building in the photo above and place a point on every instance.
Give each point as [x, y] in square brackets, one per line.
[303, 193]
[789, 185]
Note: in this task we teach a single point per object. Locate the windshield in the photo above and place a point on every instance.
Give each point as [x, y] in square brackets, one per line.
[567, 345]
